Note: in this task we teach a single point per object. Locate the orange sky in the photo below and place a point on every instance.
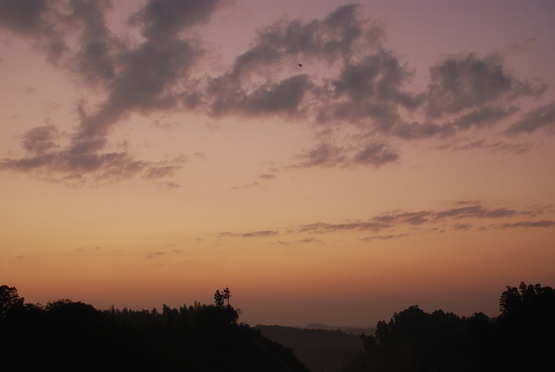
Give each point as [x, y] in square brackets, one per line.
[155, 151]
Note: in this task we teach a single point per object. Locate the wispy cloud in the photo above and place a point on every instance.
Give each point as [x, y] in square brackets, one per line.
[369, 239]
[322, 155]
[462, 226]
[152, 255]
[525, 224]
[84, 249]
[329, 155]
[462, 144]
[321, 227]
[392, 220]
[540, 117]
[253, 234]
[464, 217]
[267, 176]
[301, 241]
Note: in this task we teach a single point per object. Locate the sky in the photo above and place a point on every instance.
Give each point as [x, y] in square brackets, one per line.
[329, 162]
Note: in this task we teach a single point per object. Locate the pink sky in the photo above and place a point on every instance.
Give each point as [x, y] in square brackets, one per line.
[152, 152]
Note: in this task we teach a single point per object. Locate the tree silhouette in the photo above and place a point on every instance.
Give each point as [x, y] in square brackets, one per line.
[220, 297]
[526, 328]
[10, 302]
[226, 294]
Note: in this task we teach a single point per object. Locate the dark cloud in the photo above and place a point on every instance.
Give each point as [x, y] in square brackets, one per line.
[152, 255]
[164, 19]
[411, 218]
[517, 148]
[94, 59]
[475, 211]
[377, 76]
[254, 234]
[81, 164]
[475, 91]
[248, 186]
[321, 227]
[323, 154]
[155, 172]
[424, 221]
[329, 155]
[280, 242]
[540, 117]
[484, 116]
[471, 210]
[309, 240]
[462, 226]
[168, 185]
[376, 154]
[75, 164]
[499, 146]
[40, 140]
[414, 218]
[368, 85]
[147, 74]
[416, 130]
[535, 210]
[382, 237]
[272, 98]
[259, 234]
[542, 223]
[83, 249]
[35, 20]
[369, 93]
[267, 176]
[22, 16]
[302, 241]
[468, 81]
[332, 39]
[471, 145]
[282, 97]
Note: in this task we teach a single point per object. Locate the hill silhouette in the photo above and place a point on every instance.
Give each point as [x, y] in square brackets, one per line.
[67, 335]
[521, 338]
[74, 336]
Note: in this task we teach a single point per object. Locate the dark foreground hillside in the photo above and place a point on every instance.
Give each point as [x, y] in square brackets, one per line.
[521, 338]
[74, 336]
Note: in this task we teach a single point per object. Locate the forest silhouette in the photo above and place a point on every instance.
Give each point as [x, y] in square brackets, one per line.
[74, 336]
[67, 335]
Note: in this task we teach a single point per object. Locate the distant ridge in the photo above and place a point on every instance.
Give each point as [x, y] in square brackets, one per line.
[318, 349]
[353, 330]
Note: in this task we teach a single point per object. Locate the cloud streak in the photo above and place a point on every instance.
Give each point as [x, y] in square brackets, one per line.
[535, 119]
[525, 224]
[387, 226]
[253, 234]
[393, 220]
